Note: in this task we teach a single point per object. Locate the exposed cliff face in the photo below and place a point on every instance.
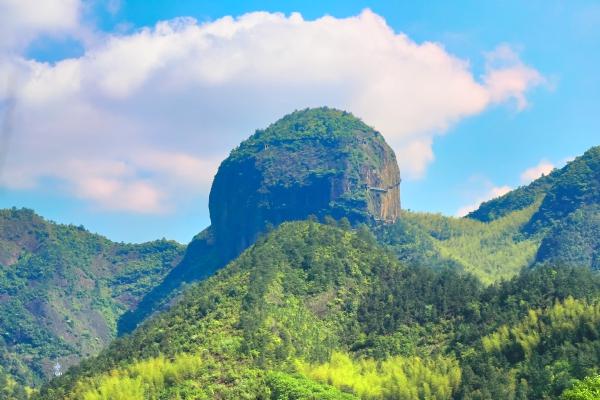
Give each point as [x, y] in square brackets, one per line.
[317, 161]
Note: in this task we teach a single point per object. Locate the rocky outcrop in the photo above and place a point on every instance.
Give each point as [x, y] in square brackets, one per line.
[312, 162]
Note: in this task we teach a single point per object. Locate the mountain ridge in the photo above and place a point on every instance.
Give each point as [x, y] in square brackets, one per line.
[568, 203]
[62, 289]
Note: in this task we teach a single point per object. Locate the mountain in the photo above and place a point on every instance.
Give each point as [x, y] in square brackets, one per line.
[63, 288]
[554, 220]
[319, 311]
[574, 240]
[321, 162]
[295, 295]
[503, 304]
[568, 213]
[312, 283]
[201, 258]
[561, 192]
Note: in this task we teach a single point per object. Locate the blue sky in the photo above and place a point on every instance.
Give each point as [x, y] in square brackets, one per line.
[484, 148]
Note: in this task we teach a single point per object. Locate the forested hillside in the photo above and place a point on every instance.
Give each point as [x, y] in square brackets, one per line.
[567, 217]
[323, 154]
[318, 311]
[62, 290]
[504, 307]
[492, 251]
[316, 161]
[337, 293]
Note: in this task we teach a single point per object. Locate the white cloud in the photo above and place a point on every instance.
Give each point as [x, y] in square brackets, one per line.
[113, 194]
[23, 20]
[543, 168]
[167, 103]
[508, 78]
[490, 193]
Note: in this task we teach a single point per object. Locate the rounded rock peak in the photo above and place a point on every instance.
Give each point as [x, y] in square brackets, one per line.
[318, 161]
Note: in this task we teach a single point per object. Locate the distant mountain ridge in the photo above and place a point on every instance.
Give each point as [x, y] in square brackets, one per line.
[63, 288]
[563, 191]
[568, 214]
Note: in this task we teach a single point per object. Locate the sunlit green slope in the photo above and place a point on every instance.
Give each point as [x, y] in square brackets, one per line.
[492, 251]
[317, 311]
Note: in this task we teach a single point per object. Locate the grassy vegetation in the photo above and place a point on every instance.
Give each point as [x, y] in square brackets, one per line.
[567, 216]
[492, 251]
[540, 355]
[402, 378]
[323, 124]
[145, 379]
[586, 389]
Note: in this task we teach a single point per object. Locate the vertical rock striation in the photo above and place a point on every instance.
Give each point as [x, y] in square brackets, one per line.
[312, 162]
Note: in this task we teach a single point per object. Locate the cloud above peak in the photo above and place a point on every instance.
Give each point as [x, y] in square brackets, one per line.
[169, 102]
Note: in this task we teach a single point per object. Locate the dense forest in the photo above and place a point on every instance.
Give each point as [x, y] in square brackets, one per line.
[62, 290]
[314, 308]
[348, 299]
